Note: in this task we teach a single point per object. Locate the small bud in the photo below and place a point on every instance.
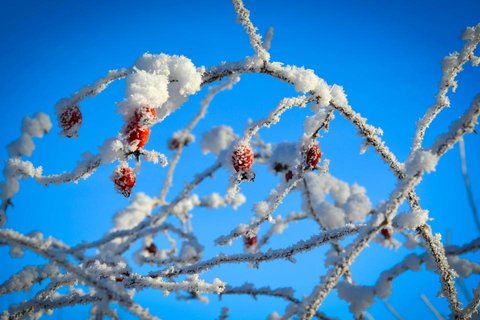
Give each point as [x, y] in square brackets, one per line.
[250, 240]
[151, 248]
[288, 175]
[386, 233]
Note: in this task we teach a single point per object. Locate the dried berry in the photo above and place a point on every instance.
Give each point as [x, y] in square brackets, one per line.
[242, 157]
[70, 120]
[151, 248]
[124, 179]
[386, 233]
[279, 167]
[313, 156]
[250, 241]
[173, 144]
[288, 175]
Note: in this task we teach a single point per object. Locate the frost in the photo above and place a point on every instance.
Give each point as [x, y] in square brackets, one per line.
[411, 220]
[358, 204]
[422, 160]
[360, 298]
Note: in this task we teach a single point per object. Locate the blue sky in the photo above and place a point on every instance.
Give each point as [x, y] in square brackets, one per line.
[387, 55]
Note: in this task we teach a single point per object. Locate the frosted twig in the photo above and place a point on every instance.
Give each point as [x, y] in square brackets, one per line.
[448, 275]
[274, 116]
[466, 124]
[311, 303]
[243, 16]
[431, 307]
[27, 307]
[301, 246]
[452, 66]
[282, 223]
[392, 310]
[468, 186]
[274, 202]
[42, 248]
[371, 135]
[33, 306]
[473, 306]
[284, 293]
[149, 224]
[92, 90]
[27, 277]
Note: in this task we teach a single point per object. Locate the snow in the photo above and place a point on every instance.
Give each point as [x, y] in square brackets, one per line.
[216, 201]
[411, 220]
[139, 208]
[160, 81]
[421, 160]
[359, 297]
[217, 139]
[284, 157]
[350, 203]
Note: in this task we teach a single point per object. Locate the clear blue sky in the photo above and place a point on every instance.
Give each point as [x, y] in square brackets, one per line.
[387, 55]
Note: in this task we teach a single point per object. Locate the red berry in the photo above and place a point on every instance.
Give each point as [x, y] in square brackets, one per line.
[386, 233]
[124, 179]
[70, 120]
[242, 157]
[313, 156]
[250, 241]
[119, 279]
[151, 248]
[137, 135]
[145, 115]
